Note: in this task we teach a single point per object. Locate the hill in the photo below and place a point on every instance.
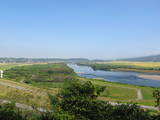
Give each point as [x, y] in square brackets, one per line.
[153, 58]
[40, 60]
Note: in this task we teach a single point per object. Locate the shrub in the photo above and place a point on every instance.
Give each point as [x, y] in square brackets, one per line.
[9, 112]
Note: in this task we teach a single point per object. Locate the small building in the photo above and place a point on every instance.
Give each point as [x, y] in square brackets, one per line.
[1, 74]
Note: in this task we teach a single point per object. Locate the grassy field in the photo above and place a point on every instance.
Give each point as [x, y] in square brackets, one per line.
[33, 96]
[42, 75]
[5, 66]
[118, 92]
[147, 67]
[124, 92]
[114, 91]
[140, 64]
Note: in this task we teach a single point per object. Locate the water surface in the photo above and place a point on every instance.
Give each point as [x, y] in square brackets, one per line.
[115, 76]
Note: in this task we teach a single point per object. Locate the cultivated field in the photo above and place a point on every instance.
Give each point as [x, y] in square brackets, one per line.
[140, 64]
[147, 67]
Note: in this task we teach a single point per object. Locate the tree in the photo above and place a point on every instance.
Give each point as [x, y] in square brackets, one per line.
[129, 112]
[156, 95]
[79, 99]
[10, 112]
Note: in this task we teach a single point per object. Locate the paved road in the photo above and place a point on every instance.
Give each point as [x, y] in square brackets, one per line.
[142, 106]
[23, 106]
[15, 86]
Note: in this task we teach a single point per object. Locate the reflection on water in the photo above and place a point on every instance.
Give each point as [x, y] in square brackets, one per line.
[114, 76]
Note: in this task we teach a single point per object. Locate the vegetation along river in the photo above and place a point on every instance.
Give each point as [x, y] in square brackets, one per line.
[133, 78]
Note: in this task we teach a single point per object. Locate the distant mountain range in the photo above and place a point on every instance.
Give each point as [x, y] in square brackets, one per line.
[153, 58]
[40, 60]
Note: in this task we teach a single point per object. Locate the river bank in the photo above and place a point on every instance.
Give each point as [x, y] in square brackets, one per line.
[139, 71]
[154, 77]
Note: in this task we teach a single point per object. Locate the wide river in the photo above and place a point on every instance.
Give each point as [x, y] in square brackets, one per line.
[114, 76]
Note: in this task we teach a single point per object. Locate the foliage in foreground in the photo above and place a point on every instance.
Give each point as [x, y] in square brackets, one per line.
[9, 112]
[156, 95]
[78, 101]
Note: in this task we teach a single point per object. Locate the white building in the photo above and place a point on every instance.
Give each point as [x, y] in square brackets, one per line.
[1, 74]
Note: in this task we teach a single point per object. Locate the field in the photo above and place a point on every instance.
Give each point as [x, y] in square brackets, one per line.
[14, 86]
[147, 67]
[117, 92]
[44, 75]
[24, 94]
[140, 64]
[5, 66]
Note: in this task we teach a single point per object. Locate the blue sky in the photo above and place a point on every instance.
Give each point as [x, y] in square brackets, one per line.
[95, 29]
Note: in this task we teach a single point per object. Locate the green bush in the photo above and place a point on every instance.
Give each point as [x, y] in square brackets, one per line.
[9, 112]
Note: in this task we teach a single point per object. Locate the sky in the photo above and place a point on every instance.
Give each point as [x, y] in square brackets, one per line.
[94, 29]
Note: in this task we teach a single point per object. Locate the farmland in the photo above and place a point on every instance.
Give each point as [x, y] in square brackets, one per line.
[43, 75]
[147, 67]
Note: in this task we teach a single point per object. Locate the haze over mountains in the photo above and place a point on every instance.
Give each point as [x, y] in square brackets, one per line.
[41, 60]
[153, 58]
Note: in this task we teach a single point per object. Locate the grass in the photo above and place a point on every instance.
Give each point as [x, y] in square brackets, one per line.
[148, 67]
[140, 64]
[118, 92]
[42, 75]
[114, 91]
[5, 66]
[35, 98]
[48, 85]
[37, 95]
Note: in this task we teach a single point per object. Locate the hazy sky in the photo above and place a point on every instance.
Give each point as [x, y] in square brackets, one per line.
[95, 29]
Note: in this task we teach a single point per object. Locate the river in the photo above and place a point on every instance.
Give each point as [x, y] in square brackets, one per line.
[115, 76]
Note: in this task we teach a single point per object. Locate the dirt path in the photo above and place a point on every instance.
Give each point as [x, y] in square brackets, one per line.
[139, 95]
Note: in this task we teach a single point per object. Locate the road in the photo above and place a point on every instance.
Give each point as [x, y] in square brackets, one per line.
[142, 106]
[14, 86]
[23, 106]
